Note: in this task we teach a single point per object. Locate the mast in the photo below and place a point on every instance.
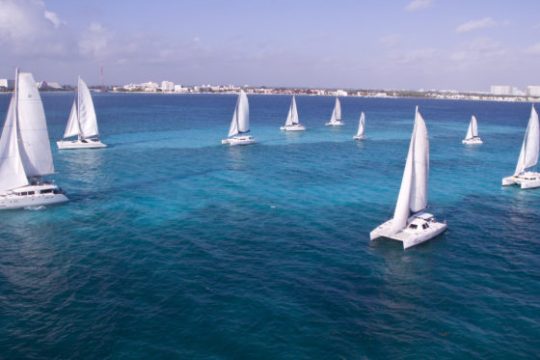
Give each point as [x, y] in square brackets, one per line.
[412, 196]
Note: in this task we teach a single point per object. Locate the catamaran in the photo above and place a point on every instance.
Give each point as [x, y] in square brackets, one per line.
[82, 123]
[25, 151]
[472, 138]
[361, 128]
[293, 123]
[239, 130]
[411, 224]
[528, 157]
[335, 120]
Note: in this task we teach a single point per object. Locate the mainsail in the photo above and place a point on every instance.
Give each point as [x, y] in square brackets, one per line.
[361, 125]
[12, 173]
[240, 119]
[34, 145]
[528, 156]
[82, 121]
[472, 131]
[336, 113]
[292, 116]
[86, 111]
[413, 192]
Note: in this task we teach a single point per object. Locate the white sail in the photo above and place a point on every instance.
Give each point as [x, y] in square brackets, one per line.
[528, 156]
[472, 130]
[292, 116]
[412, 196]
[361, 124]
[86, 111]
[34, 144]
[336, 113]
[12, 173]
[72, 127]
[240, 119]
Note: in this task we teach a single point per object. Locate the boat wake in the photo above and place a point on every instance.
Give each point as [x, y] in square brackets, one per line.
[35, 208]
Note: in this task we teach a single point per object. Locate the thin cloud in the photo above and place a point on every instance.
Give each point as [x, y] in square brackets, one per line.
[533, 49]
[418, 5]
[473, 25]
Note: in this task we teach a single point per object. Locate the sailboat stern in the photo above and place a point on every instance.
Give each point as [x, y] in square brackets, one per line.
[420, 228]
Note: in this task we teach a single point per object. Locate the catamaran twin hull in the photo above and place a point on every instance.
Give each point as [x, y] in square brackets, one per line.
[473, 141]
[80, 144]
[419, 230]
[335, 123]
[239, 140]
[297, 127]
[32, 196]
[528, 180]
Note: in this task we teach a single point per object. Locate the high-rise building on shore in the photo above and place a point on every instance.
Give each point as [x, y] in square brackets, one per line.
[533, 90]
[501, 90]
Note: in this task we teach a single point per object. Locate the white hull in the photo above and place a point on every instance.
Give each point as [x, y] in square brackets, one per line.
[297, 127]
[32, 196]
[472, 141]
[528, 180]
[359, 137]
[408, 236]
[239, 140]
[80, 144]
[335, 123]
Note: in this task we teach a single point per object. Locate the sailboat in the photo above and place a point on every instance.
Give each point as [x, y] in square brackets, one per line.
[293, 123]
[239, 130]
[25, 151]
[361, 128]
[335, 120]
[528, 157]
[411, 224]
[82, 122]
[472, 137]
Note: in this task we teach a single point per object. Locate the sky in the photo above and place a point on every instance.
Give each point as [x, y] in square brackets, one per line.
[368, 44]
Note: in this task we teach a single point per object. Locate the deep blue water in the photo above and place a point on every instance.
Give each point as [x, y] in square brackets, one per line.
[174, 246]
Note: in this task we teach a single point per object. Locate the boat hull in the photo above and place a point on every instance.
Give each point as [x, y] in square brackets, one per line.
[335, 123]
[359, 137]
[80, 144]
[298, 127]
[528, 180]
[32, 196]
[408, 237]
[473, 141]
[239, 140]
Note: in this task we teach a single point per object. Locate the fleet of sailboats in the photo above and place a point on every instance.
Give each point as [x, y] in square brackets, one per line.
[26, 158]
[472, 138]
[25, 151]
[335, 119]
[293, 123]
[411, 224]
[361, 127]
[239, 129]
[82, 122]
[528, 157]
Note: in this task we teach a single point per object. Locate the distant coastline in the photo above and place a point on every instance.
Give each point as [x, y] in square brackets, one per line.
[381, 94]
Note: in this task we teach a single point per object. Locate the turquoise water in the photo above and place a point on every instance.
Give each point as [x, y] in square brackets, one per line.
[174, 246]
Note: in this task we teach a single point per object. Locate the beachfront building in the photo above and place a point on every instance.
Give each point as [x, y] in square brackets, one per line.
[167, 86]
[501, 90]
[6, 84]
[533, 90]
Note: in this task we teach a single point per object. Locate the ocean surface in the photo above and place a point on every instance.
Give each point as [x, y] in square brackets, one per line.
[175, 246]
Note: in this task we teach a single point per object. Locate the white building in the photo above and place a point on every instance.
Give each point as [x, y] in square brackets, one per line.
[501, 89]
[179, 89]
[7, 84]
[167, 86]
[341, 93]
[533, 90]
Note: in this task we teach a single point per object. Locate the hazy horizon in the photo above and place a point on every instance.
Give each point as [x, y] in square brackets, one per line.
[408, 44]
